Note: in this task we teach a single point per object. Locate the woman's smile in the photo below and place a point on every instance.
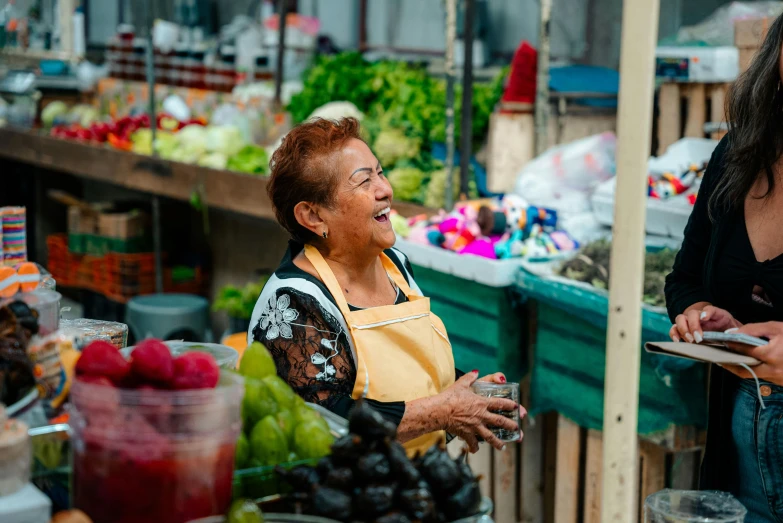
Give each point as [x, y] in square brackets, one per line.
[382, 216]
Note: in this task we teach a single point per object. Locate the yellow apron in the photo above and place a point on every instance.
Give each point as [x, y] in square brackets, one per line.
[402, 351]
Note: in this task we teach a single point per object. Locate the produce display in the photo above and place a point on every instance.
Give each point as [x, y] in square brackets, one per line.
[403, 115]
[239, 303]
[154, 436]
[368, 477]
[189, 141]
[278, 426]
[591, 266]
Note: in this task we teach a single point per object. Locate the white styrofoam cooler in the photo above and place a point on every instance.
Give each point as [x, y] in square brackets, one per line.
[664, 217]
[697, 64]
[492, 273]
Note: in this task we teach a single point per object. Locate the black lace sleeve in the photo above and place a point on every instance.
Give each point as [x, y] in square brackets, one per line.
[312, 352]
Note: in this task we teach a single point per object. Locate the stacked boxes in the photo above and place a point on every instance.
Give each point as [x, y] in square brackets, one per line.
[13, 235]
[749, 34]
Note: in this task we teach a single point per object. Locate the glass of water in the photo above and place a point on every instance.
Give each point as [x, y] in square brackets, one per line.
[506, 391]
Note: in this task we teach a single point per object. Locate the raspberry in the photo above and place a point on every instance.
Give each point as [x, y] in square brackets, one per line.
[102, 359]
[151, 361]
[195, 370]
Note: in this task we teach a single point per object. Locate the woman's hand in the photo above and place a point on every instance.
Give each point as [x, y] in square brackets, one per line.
[498, 377]
[468, 414]
[701, 317]
[770, 356]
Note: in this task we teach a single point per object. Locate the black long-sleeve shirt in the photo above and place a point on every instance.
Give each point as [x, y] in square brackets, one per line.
[716, 264]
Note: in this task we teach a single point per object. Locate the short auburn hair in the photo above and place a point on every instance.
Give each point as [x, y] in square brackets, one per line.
[301, 170]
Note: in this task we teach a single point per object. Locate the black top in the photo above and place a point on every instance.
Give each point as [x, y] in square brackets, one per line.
[716, 264]
[297, 319]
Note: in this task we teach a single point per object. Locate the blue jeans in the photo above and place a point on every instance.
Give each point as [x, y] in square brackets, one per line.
[757, 436]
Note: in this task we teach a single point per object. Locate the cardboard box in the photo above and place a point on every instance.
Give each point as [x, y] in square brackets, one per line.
[122, 226]
[746, 56]
[751, 32]
[81, 221]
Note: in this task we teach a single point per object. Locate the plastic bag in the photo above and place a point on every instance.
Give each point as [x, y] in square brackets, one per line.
[716, 29]
[681, 155]
[564, 177]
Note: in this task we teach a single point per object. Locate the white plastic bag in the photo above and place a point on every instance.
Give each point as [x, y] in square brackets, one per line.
[713, 30]
[680, 155]
[564, 177]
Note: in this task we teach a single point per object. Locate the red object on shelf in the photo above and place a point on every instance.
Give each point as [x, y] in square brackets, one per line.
[521, 86]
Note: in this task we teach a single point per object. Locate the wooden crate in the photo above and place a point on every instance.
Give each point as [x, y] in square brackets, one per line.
[684, 109]
[555, 475]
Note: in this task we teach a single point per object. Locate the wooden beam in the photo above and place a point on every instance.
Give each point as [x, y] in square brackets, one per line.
[533, 450]
[567, 475]
[542, 77]
[669, 119]
[593, 464]
[697, 111]
[623, 340]
[504, 484]
[241, 193]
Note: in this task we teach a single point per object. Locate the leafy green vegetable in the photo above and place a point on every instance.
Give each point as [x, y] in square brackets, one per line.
[436, 189]
[239, 303]
[404, 108]
[214, 161]
[592, 266]
[250, 159]
[408, 183]
[392, 145]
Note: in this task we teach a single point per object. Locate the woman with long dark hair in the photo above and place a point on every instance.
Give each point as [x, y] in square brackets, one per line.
[729, 275]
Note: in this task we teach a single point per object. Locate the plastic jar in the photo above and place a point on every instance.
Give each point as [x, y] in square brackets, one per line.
[690, 506]
[154, 455]
[46, 303]
[15, 455]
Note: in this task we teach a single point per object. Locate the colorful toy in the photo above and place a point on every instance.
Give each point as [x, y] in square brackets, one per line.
[506, 228]
[669, 184]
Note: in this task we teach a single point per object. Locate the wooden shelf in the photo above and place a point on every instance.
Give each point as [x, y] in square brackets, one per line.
[231, 191]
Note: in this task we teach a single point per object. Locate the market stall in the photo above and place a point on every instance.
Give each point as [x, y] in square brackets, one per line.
[514, 276]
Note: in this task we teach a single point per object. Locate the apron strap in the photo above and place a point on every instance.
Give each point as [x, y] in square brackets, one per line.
[327, 276]
[396, 275]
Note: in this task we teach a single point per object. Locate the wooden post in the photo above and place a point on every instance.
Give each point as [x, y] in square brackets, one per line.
[567, 471]
[466, 123]
[623, 340]
[669, 119]
[504, 484]
[282, 13]
[542, 79]
[451, 36]
[593, 463]
[697, 111]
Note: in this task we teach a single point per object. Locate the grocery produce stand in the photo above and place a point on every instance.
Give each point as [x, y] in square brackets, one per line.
[227, 190]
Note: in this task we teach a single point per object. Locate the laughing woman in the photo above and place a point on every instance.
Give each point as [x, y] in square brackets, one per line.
[342, 315]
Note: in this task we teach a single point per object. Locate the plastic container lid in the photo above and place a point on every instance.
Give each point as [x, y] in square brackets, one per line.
[168, 303]
[684, 506]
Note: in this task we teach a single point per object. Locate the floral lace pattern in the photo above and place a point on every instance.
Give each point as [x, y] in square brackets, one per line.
[309, 346]
[276, 318]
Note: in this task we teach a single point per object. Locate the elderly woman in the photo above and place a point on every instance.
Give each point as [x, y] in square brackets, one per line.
[342, 315]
